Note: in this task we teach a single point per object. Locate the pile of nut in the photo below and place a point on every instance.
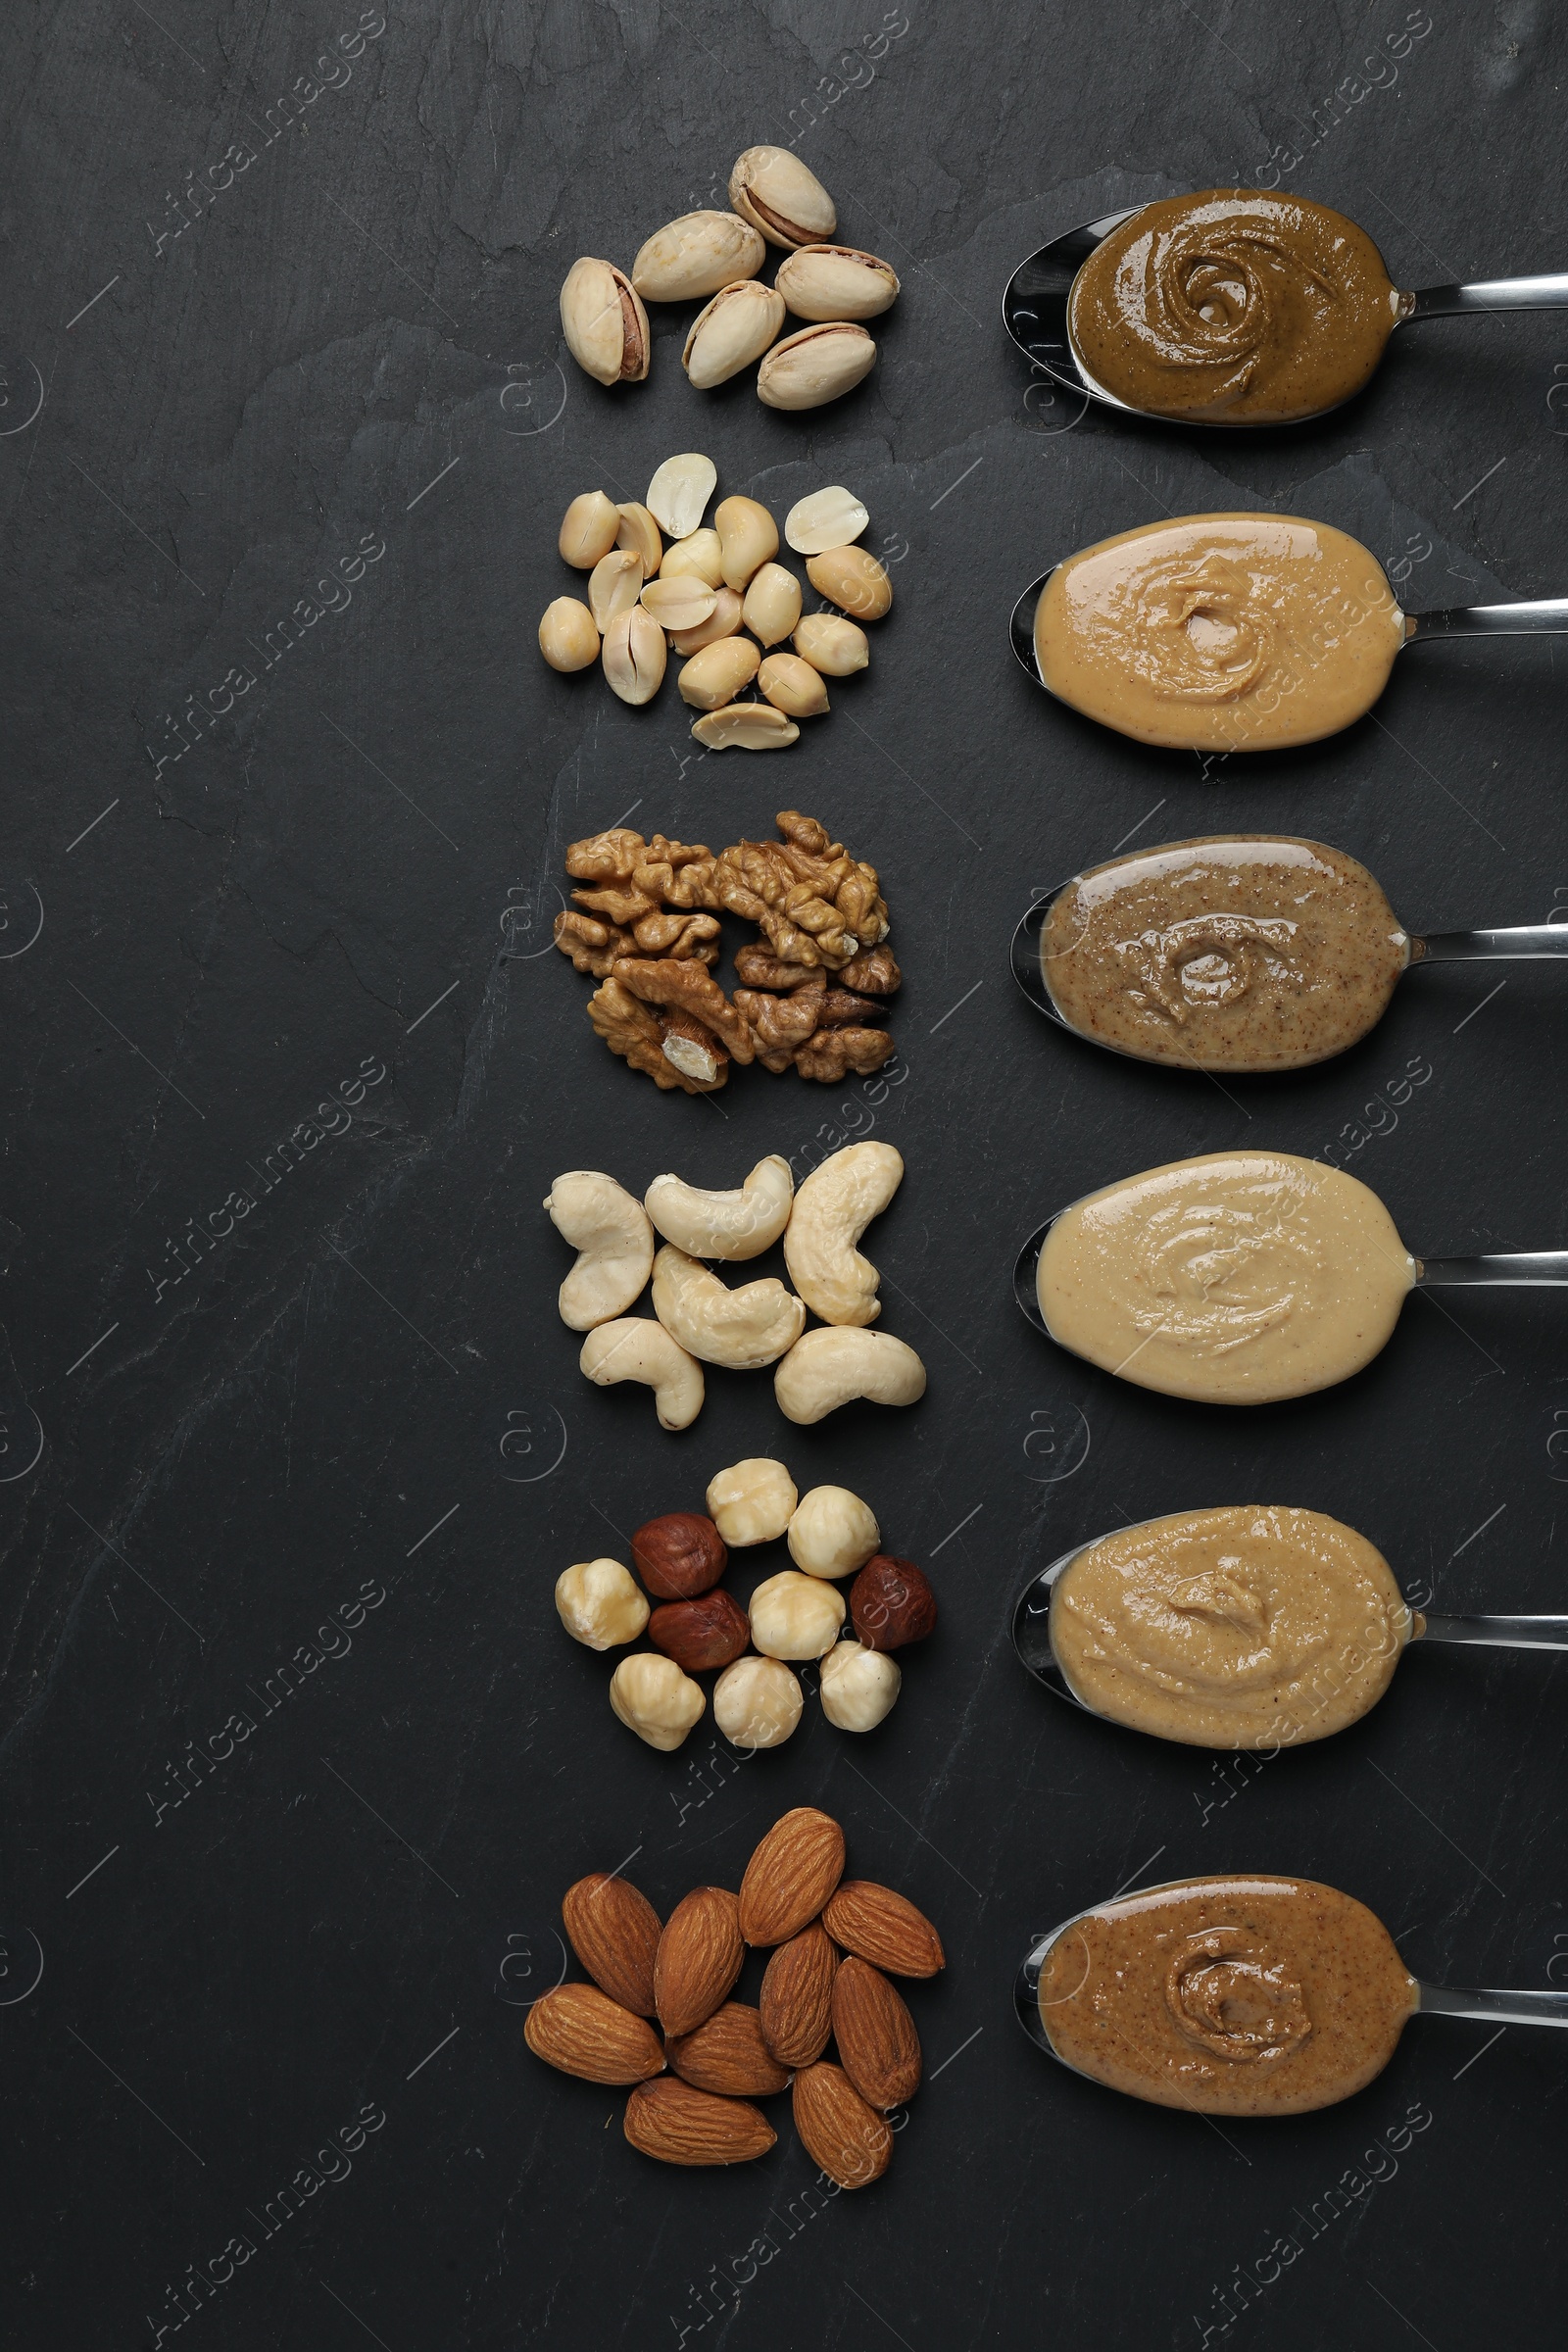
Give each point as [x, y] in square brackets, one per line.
[833, 1944]
[699, 592]
[647, 929]
[698, 1319]
[833, 287]
[795, 1615]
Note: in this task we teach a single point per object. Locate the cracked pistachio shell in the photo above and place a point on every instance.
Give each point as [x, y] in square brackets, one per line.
[836, 281]
[604, 324]
[683, 602]
[773, 604]
[746, 727]
[748, 536]
[634, 656]
[695, 256]
[736, 329]
[680, 490]
[723, 621]
[835, 647]
[640, 532]
[793, 686]
[588, 531]
[828, 518]
[568, 637]
[614, 586]
[700, 554]
[716, 675]
[851, 577]
[773, 189]
[818, 364]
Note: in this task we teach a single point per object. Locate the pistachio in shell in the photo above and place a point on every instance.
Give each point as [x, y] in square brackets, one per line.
[773, 189]
[818, 364]
[603, 321]
[736, 327]
[836, 281]
[694, 255]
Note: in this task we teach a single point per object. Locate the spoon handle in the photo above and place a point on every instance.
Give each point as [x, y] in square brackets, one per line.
[1510, 2008]
[1499, 1633]
[1494, 294]
[1546, 618]
[1526, 942]
[1510, 1269]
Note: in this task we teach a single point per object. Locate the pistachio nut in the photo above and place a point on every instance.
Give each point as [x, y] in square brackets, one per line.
[695, 256]
[683, 602]
[828, 518]
[736, 329]
[836, 281]
[746, 727]
[634, 656]
[773, 604]
[723, 621]
[818, 364]
[588, 531]
[679, 491]
[614, 585]
[568, 638]
[793, 686]
[604, 324]
[716, 675]
[773, 189]
[748, 535]
[849, 576]
[699, 553]
[835, 647]
[640, 532]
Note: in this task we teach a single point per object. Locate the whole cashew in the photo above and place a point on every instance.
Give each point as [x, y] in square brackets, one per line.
[738, 1224]
[638, 1348]
[825, 1369]
[744, 1329]
[832, 1209]
[602, 1220]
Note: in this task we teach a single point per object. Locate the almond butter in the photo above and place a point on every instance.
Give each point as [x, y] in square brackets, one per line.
[795, 2010]
[791, 1876]
[614, 1933]
[678, 2125]
[848, 2139]
[583, 2032]
[883, 1928]
[878, 2046]
[699, 1958]
[728, 2055]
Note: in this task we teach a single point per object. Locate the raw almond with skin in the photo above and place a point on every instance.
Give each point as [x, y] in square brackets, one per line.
[796, 2006]
[791, 1875]
[729, 2057]
[613, 1929]
[699, 1958]
[878, 2046]
[883, 1928]
[583, 2032]
[848, 2139]
[678, 2125]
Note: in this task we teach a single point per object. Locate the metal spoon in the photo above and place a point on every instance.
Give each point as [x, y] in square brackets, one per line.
[1034, 312]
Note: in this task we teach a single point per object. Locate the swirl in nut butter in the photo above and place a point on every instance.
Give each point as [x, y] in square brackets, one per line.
[1233, 306]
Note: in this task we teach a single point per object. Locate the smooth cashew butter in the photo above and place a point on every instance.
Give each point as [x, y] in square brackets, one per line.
[1235, 1278]
[1254, 1626]
[1234, 1996]
[1233, 304]
[1220, 632]
[1243, 952]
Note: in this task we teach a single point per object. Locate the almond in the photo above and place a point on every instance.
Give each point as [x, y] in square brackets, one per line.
[843, 2134]
[580, 2029]
[614, 1933]
[682, 2126]
[797, 1994]
[728, 2055]
[699, 1958]
[878, 2046]
[883, 1928]
[791, 1876]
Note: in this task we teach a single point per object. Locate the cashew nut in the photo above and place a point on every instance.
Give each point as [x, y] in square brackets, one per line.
[744, 1329]
[832, 1209]
[602, 1220]
[739, 1224]
[636, 1348]
[825, 1369]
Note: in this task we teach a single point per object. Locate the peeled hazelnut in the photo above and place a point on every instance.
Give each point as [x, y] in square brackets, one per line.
[891, 1603]
[679, 1556]
[588, 529]
[795, 1616]
[751, 1501]
[654, 1699]
[756, 1702]
[832, 1531]
[699, 1634]
[599, 1603]
[858, 1687]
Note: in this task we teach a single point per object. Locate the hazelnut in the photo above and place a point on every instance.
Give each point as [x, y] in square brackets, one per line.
[699, 1634]
[751, 1501]
[599, 1603]
[795, 1616]
[679, 1556]
[756, 1702]
[858, 1687]
[832, 1531]
[891, 1603]
[654, 1699]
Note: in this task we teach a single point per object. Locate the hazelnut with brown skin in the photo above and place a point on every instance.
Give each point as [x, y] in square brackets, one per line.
[679, 1556]
[710, 1631]
[891, 1603]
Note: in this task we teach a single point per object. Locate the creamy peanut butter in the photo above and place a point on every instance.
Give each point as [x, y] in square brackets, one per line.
[1253, 1628]
[1242, 951]
[1220, 632]
[1234, 304]
[1234, 1996]
[1236, 1278]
